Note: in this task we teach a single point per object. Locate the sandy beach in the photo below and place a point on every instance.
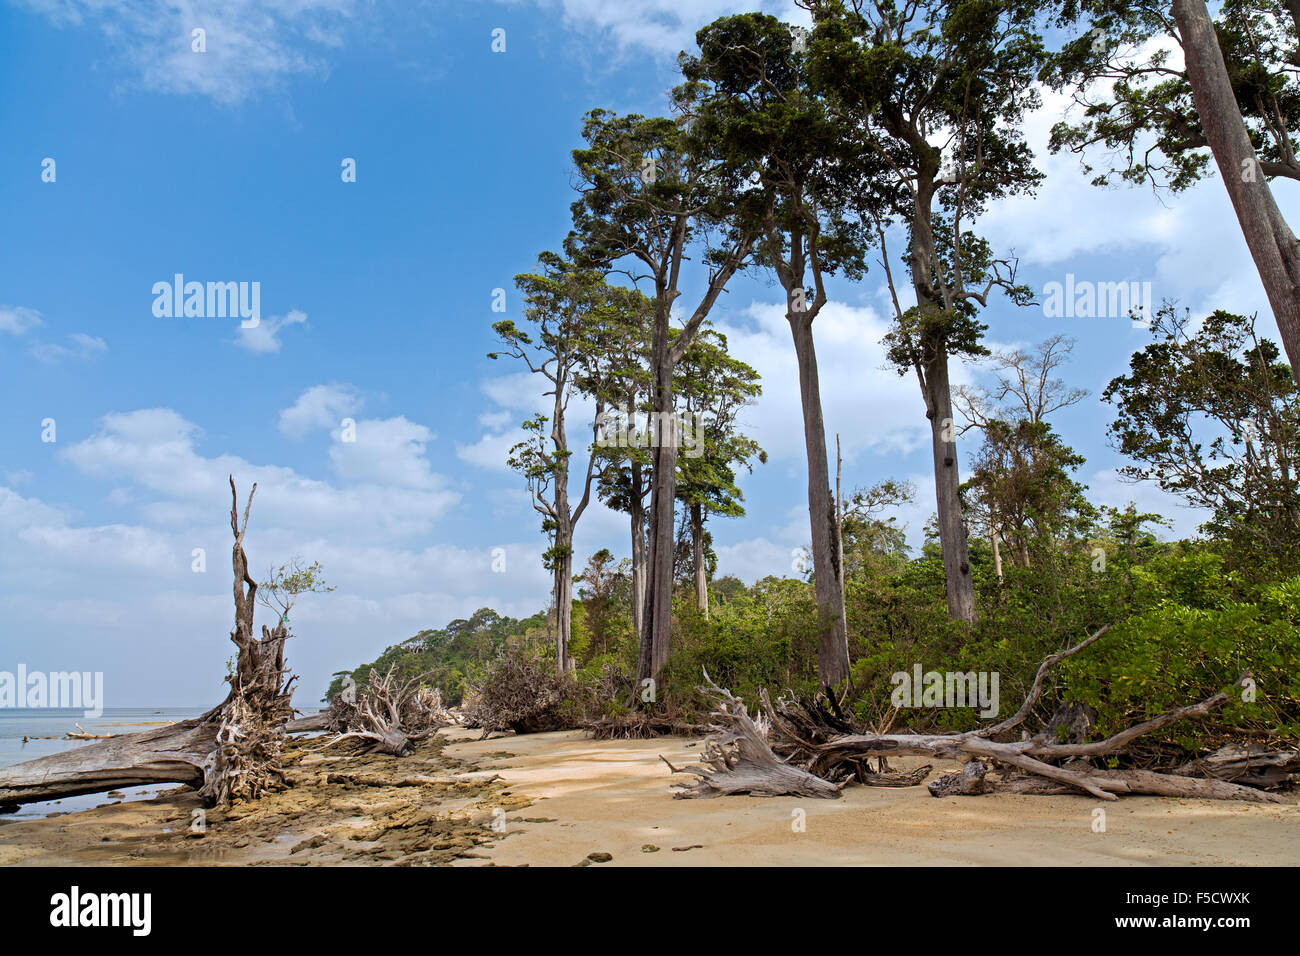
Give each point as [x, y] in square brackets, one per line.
[562, 799]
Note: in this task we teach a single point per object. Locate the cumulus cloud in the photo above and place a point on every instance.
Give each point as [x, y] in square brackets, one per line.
[156, 449]
[249, 47]
[321, 406]
[264, 338]
[874, 410]
[1108, 488]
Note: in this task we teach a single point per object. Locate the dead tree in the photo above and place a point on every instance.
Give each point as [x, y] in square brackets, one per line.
[522, 695]
[737, 759]
[232, 752]
[389, 720]
[797, 740]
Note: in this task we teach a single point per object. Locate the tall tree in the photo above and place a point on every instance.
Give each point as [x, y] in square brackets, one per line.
[1237, 92]
[936, 93]
[715, 388]
[758, 111]
[648, 196]
[1212, 414]
[623, 448]
[566, 306]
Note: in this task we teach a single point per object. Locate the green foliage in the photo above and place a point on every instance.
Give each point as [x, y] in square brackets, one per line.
[1213, 414]
[1136, 104]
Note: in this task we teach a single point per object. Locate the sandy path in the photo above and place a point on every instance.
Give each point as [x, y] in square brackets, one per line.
[614, 797]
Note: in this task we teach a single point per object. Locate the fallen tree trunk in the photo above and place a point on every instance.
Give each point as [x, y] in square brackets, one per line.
[172, 754]
[309, 723]
[230, 753]
[808, 738]
[973, 780]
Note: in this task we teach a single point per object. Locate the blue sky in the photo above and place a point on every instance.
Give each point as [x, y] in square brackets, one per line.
[376, 305]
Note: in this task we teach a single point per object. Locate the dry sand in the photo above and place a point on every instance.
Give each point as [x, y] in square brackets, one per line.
[614, 797]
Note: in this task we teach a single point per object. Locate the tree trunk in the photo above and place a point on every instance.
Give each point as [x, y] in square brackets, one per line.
[832, 628]
[947, 484]
[1272, 244]
[637, 512]
[997, 551]
[697, 559]
[659, 579]
[563, 607]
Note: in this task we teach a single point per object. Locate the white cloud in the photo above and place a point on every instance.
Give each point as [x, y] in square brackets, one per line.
[386, 451]
[873, 409]
[263, 338]
[83, 348]
[321, 406]
[156, 449]
[1189, 245]
[249, 46]
[660, 27]
[18, 320]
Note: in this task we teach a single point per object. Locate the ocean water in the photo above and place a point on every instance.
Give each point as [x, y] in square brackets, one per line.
[17, 723]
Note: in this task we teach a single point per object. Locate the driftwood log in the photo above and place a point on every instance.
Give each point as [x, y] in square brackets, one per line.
[389, 719]
[812, 738]
[232, 752]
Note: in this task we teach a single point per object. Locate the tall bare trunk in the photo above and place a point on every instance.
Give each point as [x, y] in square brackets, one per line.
[937, 392]
[947, 484]
[637, 513]
[697, 559]
[1272, 244]
[563, 609]
[839, 517]
[832, 628]
[659, 579]
[997, 551]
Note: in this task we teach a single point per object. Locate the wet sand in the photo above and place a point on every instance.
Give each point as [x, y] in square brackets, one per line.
[342, 810]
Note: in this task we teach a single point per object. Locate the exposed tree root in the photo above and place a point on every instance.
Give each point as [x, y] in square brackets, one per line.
[390, 720]
[737, 759]
[641, 726]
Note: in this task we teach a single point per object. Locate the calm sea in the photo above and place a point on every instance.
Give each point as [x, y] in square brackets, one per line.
[17, 723]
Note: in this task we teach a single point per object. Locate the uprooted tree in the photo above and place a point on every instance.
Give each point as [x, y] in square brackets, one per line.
[232, 752]
[809, 747]
[386, 718]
